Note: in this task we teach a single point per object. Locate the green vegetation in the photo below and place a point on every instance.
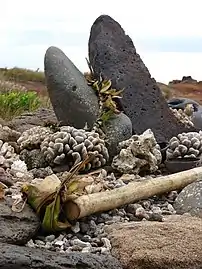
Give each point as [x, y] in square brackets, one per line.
[22, 75]
[14, 103]
[16, 94]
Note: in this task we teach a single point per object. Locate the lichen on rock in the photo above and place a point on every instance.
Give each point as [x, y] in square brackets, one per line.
[140, 153]
[185, 145]
[71, 145]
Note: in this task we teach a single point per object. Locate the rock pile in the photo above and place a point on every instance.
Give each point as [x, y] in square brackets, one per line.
[34, 152]
[71, 145]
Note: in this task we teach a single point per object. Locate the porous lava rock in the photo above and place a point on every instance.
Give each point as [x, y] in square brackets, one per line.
[113, 54]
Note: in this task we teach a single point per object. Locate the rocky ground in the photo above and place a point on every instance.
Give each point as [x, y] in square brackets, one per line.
[160, 232]
[147, 227]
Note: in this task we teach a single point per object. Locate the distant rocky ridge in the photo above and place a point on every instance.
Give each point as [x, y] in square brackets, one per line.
[185, 79]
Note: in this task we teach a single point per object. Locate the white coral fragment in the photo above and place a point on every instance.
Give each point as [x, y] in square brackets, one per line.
[7, 155]
[185, 145]
[19, 170]
[184, 116]
[32, 138]
[71, 145]
[137, 154]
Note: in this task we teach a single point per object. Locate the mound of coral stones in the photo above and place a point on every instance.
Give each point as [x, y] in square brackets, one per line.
[90, 234]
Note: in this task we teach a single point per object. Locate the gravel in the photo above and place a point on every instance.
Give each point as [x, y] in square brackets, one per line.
[88, 234]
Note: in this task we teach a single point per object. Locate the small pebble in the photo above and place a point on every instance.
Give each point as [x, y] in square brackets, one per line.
[48, 245]
[84, 227]
[76, 248]
[50, 238]
[104, 250]
[80, 243]
[87, 238]
[39, 242]
[76, 228]
[131, 208]
[68, 250]
[59, 243]
[171, 209]
[106, 243]
[86, 249]
[146, 205]
[141, 213]
[31, 243]
[156, 210]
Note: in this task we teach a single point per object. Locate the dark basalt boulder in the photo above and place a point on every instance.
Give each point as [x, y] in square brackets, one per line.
[17, 257]
[74, 102]
[112, 54]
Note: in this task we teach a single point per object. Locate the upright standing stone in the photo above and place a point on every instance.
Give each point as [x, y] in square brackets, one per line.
[74, 102]
[112, 53]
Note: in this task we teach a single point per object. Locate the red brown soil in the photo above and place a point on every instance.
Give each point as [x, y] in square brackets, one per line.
[187, 90]
[35, 86]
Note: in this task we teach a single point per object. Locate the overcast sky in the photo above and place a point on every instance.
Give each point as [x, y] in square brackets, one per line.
[166, 34]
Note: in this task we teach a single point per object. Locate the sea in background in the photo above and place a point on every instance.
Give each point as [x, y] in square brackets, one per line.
[163, 66]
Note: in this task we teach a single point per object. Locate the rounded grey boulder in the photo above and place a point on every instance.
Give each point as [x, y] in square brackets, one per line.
[17, 227]
[189, 200]
[117, 129]
[73, 101]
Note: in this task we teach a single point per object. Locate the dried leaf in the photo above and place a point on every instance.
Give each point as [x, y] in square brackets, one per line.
[96, 86]
[48, 196]
[105, 86]
[109, 103]
[51, 221]
[42, 193]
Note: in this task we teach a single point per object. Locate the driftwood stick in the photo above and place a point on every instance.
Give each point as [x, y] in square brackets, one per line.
[86, 205]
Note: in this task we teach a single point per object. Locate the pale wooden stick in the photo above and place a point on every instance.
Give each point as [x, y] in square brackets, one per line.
[86, 205]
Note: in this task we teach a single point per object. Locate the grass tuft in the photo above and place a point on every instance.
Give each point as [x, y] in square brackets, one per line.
[15, 95]
[14, 103]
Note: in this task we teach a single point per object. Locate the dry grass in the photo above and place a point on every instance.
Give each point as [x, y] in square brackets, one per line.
[22, 75]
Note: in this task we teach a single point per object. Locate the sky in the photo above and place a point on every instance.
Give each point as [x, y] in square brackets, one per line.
[166, 34]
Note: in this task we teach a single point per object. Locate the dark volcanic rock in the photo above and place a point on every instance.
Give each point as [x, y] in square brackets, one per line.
[23, 258]
[190, 200]
[33, 158]
[112, 53]
[118, 129]
[74, 102]
[17, 228]
[5, 177]
[31, 119]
